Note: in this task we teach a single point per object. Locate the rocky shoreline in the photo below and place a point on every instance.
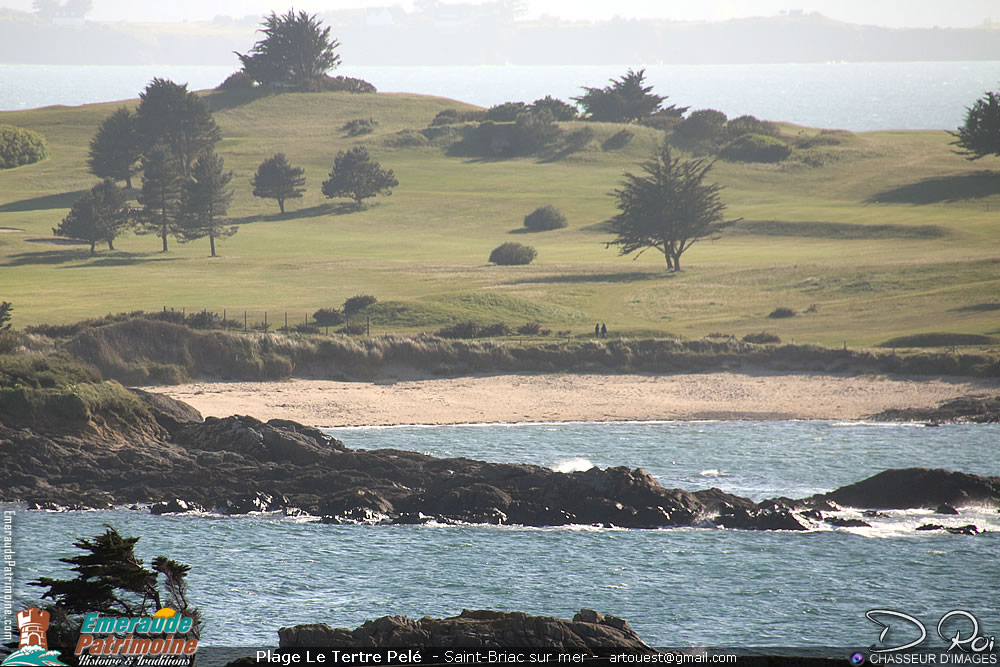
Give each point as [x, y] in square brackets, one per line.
[963, 410]
[168, 456]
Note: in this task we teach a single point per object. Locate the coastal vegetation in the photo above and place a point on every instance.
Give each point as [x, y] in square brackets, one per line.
[882, 251]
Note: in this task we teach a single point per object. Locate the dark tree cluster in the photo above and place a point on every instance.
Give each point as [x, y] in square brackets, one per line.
[625, 100]
[357, 176]
[296, 48]
[19, 146]
[169, 140]
[979, 135]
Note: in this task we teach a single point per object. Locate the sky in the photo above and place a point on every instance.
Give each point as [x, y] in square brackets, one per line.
[892, 13]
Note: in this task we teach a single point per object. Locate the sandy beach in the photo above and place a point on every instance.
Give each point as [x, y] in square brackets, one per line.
[573, 397]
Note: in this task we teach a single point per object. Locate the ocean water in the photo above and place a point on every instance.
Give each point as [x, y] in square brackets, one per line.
[852, 96]
[678, 587]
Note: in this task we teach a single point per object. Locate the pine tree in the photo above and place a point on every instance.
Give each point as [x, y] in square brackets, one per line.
[356, 175]
[115, 148]
[204, 201]
[669, 209]
[169, 114]
[276, 179]
[161, 192]
[100, 215]
[295, 48]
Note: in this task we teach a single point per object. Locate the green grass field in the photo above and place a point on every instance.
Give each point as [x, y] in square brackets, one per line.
[886, 234]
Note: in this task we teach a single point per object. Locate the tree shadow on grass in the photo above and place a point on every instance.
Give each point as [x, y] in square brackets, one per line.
[620, 277]
[44, 203]
[975, 185]
[977, 308]
[81, 255]
[338, 208]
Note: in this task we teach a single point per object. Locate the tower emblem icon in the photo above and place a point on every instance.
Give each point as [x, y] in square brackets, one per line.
[33, 649]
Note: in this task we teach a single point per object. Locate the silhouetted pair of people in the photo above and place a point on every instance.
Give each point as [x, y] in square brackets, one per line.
[600, 330]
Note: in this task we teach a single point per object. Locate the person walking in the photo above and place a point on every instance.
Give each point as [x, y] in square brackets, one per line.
[597, 331]
[604, 330]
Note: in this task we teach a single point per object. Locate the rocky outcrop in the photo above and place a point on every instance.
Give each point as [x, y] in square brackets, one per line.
[909, 488]
[967, 409]
[239, 465]
[474, 629]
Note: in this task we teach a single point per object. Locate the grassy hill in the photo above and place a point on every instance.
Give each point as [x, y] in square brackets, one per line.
[885, 234]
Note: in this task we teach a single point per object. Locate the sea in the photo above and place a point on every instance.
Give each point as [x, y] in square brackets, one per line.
[683, 587]
[851, 96]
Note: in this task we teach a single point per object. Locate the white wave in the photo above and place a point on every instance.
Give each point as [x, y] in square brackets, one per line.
[712, 472]
[576, 464]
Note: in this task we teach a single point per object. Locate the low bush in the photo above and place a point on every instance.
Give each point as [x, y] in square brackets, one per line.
[530, 329]
[781, 312]
[741, 125]
[494, 330]
[19, 146]
[453, 116]
[358, 303]
[506, 112]
[939, 339]
[756, 148]
[545, 218]
[328, 317]
[334, 84]
[237, 81]
[513, 254]
[467, 329]
[560, 110]
[704, 127]
[359, 126]
[762, 338]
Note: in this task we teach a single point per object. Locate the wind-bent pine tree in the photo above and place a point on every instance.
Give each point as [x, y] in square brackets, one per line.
[670, 208]
[204, 201]
[979, 135]
[99, 216]
[276, 179]
[625, 100]
[162, 184]
[295, 48]
[116, 147]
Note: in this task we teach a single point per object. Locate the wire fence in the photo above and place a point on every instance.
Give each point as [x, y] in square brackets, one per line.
[263, 320]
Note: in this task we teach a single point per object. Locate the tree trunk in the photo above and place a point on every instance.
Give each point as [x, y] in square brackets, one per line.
[211, 240]
[670, 263]
[163, 231]
[111, 244]
[92, 251]
[677, 262]
[128, 182]
[281, 204]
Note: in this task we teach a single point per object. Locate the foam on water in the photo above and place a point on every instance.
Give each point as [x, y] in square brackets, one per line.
[577, 464]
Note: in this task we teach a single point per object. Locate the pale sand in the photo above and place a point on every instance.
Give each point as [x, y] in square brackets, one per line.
[571, 397]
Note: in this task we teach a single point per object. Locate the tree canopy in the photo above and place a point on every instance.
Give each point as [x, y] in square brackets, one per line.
[116, 147]
[295, 48]
[99, 216]
[205, 200]
[356, 175]
[979, 135]
[625, 100]
[669, 208]
[169, 114]
[277, 179]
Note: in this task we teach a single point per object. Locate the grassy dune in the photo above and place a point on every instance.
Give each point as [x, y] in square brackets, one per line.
[887, 234]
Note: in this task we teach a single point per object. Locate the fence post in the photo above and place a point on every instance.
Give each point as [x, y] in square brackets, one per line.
[244, 321]
[286, 321]
[265, 321]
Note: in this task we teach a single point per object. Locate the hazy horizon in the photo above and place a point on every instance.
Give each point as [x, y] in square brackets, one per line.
[893, 13]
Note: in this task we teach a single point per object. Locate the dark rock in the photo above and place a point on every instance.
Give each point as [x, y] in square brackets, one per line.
[930, 526]
[841, 522]
[911, 488]
[168, 412]
[944, 508]
[474, 629]
[815, 515]
[175, 506]
[256, 502]
[968, 529]
[967, 409]
[874, 514]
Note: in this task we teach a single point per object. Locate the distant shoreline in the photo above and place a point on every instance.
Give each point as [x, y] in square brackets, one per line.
[569, 397]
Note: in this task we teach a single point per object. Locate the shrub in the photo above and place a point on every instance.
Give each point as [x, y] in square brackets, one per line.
[761, 338]
[756, 148]
[506, 112]
[334, 84]
[304, 328]
[237, 81]
[510, 254]
[544, 218]
[741, 125]
[10, 342]
[782, 312]
[938, 339]
[358, 303]
[533, 130]
[704, 126]
[359, 126]
[665, 120]
[452, 116]
[467, 329]
[206, 319]
[530, 329]
[618, 140]
[19, 146]
[560, 110]
[494, 330]
[328, 317]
